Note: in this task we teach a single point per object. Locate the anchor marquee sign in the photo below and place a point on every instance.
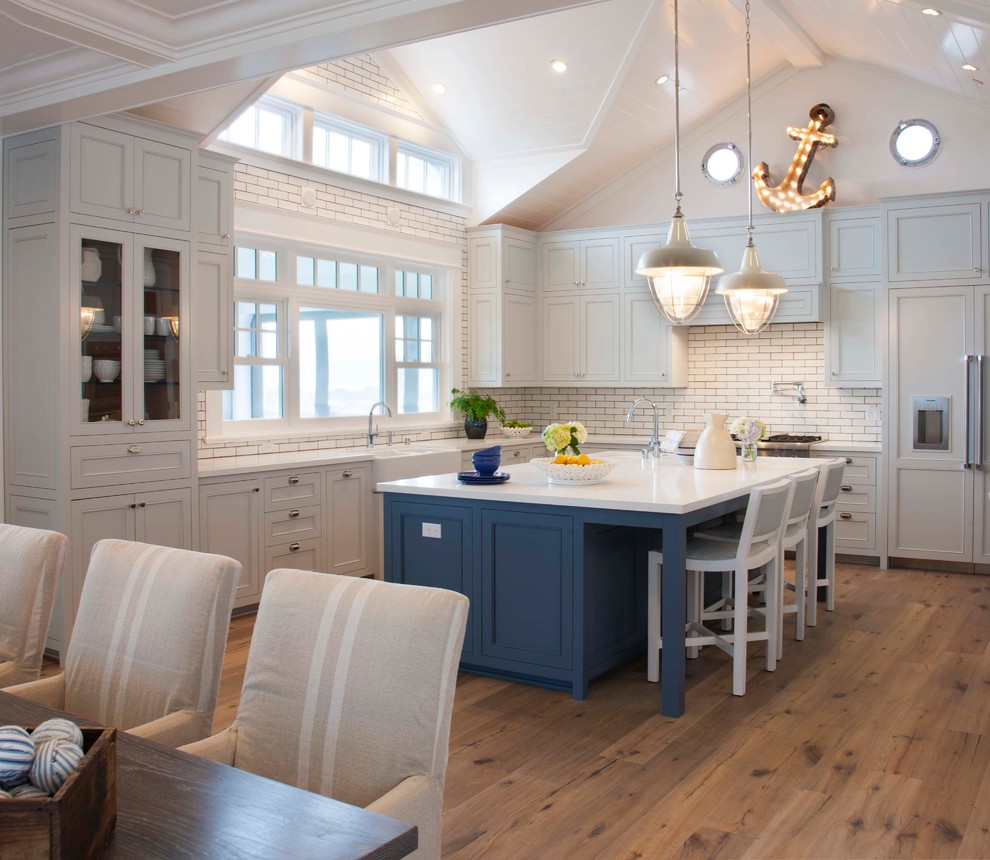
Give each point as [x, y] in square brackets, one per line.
[789, 195]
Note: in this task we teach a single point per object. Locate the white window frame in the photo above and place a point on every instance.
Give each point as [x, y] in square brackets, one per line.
[291, 130]
[292, 296]
[449, 164]
[354, 131]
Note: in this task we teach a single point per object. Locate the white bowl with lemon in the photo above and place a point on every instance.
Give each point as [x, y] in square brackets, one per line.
[572, 470]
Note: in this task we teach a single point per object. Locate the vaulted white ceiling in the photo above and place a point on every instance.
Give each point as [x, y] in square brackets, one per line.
[541, 142]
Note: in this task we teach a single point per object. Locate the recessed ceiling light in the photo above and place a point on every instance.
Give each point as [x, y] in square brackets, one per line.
[559, 66]
[969, 67]
[439, 89]
[662, 80]
[928, 10]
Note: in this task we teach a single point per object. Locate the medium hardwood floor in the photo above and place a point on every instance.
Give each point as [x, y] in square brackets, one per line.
[872, 739]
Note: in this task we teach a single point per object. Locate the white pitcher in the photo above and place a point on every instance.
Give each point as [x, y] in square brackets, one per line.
[715, 448]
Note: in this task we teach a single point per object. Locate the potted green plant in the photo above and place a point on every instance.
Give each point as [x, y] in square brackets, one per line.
[476, 408]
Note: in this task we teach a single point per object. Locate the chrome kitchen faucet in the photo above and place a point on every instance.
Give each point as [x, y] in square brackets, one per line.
[654, 446]
[372, 434]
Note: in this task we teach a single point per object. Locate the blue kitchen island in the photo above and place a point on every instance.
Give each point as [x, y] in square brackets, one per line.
[556, 574]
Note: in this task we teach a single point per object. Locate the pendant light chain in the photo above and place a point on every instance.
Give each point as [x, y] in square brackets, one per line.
[677, 114]
[749, 126]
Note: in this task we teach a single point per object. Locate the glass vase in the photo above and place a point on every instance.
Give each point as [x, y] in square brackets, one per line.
[749, 452]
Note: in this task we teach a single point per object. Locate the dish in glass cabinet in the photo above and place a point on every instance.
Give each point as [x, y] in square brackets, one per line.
[475, 478]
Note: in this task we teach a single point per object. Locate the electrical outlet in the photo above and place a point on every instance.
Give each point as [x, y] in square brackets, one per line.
[431, 530]
[872, 413]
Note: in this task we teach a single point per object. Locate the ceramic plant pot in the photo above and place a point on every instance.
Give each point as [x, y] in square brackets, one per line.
[715, 448]
[475, 429]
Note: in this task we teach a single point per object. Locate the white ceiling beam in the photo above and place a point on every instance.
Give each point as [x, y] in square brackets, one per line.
[125, 89]
[97, 36]
[787, 35]
[975, 13]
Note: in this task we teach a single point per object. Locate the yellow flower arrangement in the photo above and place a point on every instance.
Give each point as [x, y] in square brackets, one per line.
[560, 437]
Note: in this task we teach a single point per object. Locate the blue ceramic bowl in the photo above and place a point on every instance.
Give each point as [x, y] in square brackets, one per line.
[487, 460]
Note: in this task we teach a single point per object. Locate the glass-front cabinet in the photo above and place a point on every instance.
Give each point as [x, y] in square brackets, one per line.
[130, 320]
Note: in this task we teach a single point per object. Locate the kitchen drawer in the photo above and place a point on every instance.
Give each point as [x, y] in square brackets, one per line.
[859, 470]
[856, 532]
[129, 463]
[857, 497]
[293, 525]
[298, 555]
[295, 490]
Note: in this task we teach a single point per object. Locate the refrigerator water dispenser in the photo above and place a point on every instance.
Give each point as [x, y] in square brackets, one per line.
[931, 423]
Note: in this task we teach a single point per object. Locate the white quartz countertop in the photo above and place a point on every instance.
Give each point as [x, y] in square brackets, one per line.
[666, 484]
[250, 464]
[853, 447]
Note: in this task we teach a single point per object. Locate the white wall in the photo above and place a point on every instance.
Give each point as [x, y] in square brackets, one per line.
[868, 104]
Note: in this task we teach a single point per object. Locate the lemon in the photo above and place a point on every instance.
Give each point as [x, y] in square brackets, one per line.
[583, 460]
[560, 460]
[572, 460]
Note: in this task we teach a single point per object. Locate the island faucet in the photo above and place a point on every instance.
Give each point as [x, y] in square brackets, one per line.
[371, 433]
[654, 446]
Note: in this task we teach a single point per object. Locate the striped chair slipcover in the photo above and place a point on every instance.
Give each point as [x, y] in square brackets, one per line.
[30, 566]
[348, 692]
[148, 642]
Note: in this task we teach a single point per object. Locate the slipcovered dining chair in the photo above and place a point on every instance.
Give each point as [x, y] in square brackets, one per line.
[148, 642]
[31, 563]
[348, 693]
[758, 545]
[821, 531]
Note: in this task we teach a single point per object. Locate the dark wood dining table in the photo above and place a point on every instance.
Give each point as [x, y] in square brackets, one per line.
[171, 804]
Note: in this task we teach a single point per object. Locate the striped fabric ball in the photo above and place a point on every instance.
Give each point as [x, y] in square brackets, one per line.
[58, 728]
[16, 752]
[54, 762]
[28, 790]
[13, 782]
[4, 795]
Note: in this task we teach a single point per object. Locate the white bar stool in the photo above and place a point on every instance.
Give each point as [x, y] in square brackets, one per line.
[758, 546]
[823, 518]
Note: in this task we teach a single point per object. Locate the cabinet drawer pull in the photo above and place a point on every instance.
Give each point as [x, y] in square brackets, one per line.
[133, 449]
[846, 488]
[849, 461]
[845, 516]
[293, 480]
[348, 473]
[293, 547]
[293, 514]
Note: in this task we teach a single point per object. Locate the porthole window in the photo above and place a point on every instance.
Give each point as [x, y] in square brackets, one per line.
[722, 164]
[915, 142]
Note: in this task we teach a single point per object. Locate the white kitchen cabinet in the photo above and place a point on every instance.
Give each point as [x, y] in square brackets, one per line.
[161, 517]
[654, 352]
[854, 243]
[634, 245]
[230, 523]
[581, 339]
[31, 170]
[854, 335]
[348, 517]
[580, 263]
[117, 175]
[142, 284]
[212, 290]
[502, 308]
[936, 240]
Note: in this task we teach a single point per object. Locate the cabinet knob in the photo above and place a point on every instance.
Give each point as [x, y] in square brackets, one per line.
[131, 210]
[845, 516]
[293, 480]
[293, 547]
[132, 506]
[348, 473]
[133, 449]
[142, 504]
[226, 235]
[256, 489]
[846, 488]
[835, 373]
[131, 423]
[662, 374]
[141, 421]
[293, 514]
[140, 212]
[849, 461]
[835, 269]
[226, 372]
[507, 374]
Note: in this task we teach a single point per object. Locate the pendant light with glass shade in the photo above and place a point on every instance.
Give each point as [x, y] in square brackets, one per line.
[679, 274]
[751, 294]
